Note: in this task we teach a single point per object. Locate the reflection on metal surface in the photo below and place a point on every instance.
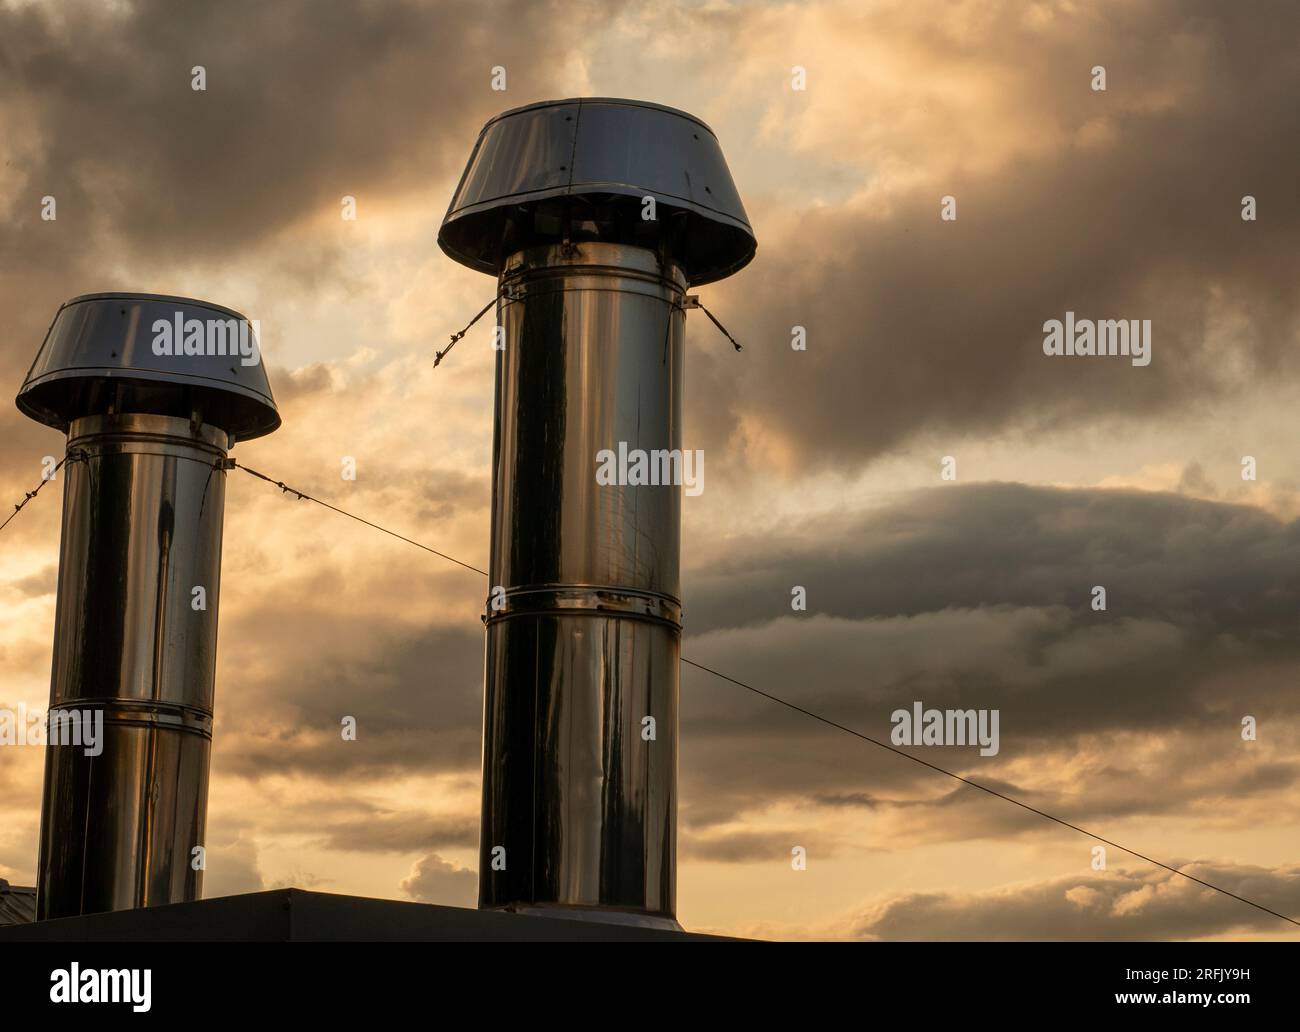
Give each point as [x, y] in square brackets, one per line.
[588, 163]
[143, 503]
[586, 643]
[134, 641]
[101, 347]
[595, 215]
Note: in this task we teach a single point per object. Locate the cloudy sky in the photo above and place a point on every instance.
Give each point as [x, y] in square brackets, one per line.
[924, 341]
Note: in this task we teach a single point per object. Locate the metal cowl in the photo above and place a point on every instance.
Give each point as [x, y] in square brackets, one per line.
[150, 353]
[152, 392]
[580, 169]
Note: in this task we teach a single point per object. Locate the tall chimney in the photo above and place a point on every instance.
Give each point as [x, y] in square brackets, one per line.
[596, 215]
[152, 392]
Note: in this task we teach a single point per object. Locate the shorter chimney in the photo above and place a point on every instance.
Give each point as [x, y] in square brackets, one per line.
[152, 392]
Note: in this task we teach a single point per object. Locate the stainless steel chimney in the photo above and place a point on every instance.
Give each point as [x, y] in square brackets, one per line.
[152, 392]
[596, 216]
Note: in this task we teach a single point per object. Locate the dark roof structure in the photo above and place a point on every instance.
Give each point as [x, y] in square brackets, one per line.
[295, 915]
[17, 905]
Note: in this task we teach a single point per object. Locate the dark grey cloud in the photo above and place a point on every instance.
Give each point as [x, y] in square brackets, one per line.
[979, 597]
[923, 327]
[304, 104]
[1192, 587]
[1209, 568]
[416, 697]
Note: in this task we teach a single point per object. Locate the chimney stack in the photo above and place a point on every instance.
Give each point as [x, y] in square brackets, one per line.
[152, 392]
[596, 216]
